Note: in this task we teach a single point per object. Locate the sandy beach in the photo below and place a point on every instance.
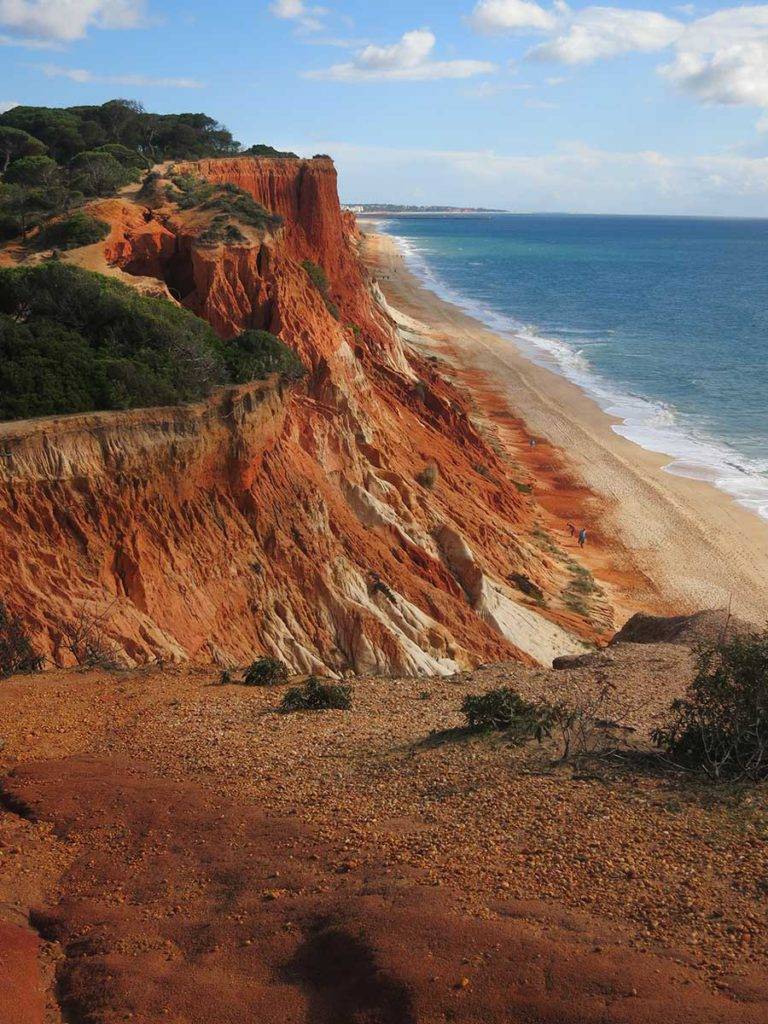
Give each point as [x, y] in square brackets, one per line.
[660, 542]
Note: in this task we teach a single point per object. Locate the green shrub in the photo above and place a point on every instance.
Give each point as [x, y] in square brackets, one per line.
[316, 695]
[75, 341]
[266, 672]
[254, 355]
[10, 225]
[581, 587]
[242, 207]
[505, 710]
[221, 232]
[260, 149]
[319, 279]
[14, 144]
[721, 725]
[120, 125]
[125, 156]
[22, 208]
[228, 201]
[71, 232]
[16, 651]
[97, 173]
[189, 191]
[151, 191]
[34, 172]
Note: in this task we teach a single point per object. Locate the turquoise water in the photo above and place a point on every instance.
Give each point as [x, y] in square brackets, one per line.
[664, 321]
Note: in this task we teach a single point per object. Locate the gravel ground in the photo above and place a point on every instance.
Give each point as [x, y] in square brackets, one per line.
[397, 781]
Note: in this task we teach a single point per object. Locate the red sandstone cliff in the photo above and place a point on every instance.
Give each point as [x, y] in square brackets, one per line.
[285, 521]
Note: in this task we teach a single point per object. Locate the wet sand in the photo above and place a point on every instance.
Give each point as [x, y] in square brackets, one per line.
[662, 542]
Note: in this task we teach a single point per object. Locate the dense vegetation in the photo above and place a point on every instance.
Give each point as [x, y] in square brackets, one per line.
[75, 341]
[721, 725]
[229, 202]
[52, 159]
[70, 232]
[262, 150]
[255, 355]
[68, 131]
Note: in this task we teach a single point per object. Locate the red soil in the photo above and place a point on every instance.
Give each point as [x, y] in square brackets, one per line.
[185, 906]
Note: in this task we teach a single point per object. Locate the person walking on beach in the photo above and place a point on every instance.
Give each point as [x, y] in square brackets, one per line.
[582, 537]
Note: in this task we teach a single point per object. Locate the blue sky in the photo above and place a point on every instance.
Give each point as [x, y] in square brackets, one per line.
[510, 103]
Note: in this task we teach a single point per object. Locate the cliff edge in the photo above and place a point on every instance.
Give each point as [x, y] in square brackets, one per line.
[361, 521]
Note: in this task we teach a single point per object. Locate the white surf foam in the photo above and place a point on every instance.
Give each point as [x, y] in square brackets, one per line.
[652, 425]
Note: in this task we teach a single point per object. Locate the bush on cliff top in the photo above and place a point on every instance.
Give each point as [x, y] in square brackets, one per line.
[119, 125]
[261, 149]
[117, 349]
[255, 355]
[71, 232]
[721, 725]
[228, 200]
[75, 341]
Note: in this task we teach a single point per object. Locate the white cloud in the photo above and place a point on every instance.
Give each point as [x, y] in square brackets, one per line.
[598, 32]
[306, 17]
[66, 20]
[7, 105]
[718, 59]
[406, 60]
[508, 15]
[723, 58]
[85, 77]
[732, 75]
[727, 27]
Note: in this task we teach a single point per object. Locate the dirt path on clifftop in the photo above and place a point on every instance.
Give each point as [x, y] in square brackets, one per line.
[185, 853]
[664, 542]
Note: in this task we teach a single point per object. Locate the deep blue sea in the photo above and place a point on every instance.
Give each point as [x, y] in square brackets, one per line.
[663, 320]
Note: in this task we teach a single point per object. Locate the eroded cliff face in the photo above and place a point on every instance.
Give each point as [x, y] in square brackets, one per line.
[283, 521]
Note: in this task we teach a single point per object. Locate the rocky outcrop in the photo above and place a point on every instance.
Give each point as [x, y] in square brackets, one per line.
[293, 522]
[705, 627]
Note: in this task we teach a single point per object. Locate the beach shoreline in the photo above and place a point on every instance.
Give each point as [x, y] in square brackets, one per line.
[662, 542]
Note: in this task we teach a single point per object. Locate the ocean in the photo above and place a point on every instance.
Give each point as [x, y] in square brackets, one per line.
[662, 320]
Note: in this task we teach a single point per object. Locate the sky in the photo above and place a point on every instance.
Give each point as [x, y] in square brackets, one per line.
[513, 104]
